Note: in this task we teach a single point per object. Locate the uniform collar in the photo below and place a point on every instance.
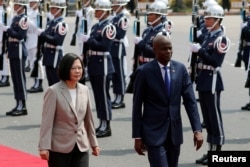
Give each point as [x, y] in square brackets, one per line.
[214, 32]
[101, 22]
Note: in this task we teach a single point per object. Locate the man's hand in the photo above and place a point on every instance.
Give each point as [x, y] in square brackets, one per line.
[139, 147]
[198, 140]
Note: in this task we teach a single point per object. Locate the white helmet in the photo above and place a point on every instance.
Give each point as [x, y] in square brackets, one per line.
[58, 4]
[164, 1]
[209, 3]
[215, 11]
[102, 5]
[157, 7]
[119, 2]
[20, 2]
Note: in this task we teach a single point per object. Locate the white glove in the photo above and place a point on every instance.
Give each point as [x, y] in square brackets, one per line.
[3, 27]
[198, 33]
[39, 31]
[84, 37]
[137, 40]
[242, 25]
[195, 47]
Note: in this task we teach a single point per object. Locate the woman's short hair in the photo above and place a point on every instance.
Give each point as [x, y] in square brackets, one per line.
[66, 65]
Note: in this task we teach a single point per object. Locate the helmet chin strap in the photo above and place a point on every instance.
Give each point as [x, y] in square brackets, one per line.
[151, 23]
[57, 12]
[19, 9]
[34, 6]
[86, 4]
[102, 15]
[116, 11]
[210, 28]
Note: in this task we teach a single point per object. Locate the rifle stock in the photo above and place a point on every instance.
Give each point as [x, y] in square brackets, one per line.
[239, 53]
[4, 40]
[136, 54]
[85, 48]
[73, 40]
[195, 21]
[34, 72]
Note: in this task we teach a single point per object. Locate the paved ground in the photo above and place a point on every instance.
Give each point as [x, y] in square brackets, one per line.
[117, 151]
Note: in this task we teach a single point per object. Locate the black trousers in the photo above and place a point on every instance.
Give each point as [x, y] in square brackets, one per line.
[51, 74]
[166, 155]
[75, 158]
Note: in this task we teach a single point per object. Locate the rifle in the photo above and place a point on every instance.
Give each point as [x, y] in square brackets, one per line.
[40, 41]
[4, 39]
[136, 52]
[239, 53]
[195, 26]
[73, 40]
[85, 48]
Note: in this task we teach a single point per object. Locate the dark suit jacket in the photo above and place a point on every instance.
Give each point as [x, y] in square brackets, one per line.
[64, 125]
[154, 113]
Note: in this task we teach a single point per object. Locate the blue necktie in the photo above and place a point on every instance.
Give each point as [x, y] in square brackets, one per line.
[167, 80]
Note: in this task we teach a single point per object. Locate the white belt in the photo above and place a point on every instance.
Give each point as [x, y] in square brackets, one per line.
[205, 67]
[146, 59]
[247, 43]
[97, 53]
[118, 40]
[13, 39]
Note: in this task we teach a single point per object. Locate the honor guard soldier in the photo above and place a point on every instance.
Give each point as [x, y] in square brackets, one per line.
[84, 15]
[17, 54]
[118, 51]
[5, 19]
[53, 38]
[35, 22]
[202, 30]
[168, 24]
[209, 80]
[85, 10]
[155, 14]
[244, 50]
[47, 11]
[100, 66]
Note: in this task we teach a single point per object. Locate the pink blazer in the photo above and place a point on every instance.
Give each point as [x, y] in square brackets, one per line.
[64, 125]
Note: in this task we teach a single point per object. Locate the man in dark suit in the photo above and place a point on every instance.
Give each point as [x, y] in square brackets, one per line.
[156, 120]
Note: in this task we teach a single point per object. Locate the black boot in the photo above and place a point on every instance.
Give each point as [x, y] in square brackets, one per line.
[202, 159]
[104, 133]
[4, 81]
[212, 148]
[246, 107]
[119, 104]
[22, 111]
[12, 110]
[36, 89]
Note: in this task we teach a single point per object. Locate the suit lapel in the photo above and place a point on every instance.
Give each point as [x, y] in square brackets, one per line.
[67, 96]
[80, 96]
[159, 76]
[172, 76]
